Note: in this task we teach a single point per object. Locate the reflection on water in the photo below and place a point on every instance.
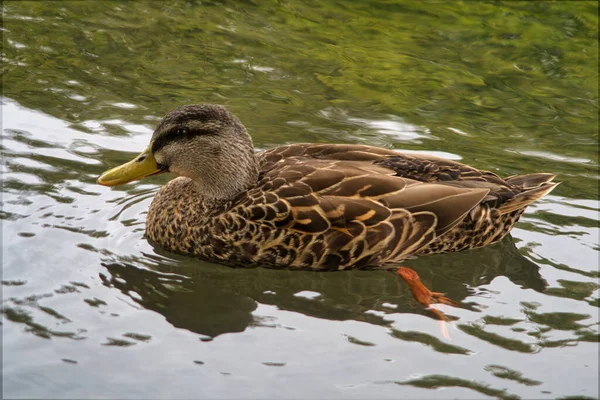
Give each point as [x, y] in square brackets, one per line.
[91, 309]
[191, 300]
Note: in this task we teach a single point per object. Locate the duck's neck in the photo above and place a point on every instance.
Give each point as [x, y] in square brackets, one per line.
[226, 179]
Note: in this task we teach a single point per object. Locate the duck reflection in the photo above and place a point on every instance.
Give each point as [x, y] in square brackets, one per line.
[211, 299]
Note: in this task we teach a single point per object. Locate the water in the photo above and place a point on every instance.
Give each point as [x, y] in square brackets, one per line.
[91, 309]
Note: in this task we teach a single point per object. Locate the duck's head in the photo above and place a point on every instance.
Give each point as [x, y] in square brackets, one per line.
[203, 142]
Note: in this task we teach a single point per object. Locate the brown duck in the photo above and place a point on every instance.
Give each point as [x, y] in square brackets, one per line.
[315, 206]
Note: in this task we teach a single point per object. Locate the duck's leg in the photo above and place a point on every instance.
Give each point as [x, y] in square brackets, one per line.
[425, 296]
[420, 292]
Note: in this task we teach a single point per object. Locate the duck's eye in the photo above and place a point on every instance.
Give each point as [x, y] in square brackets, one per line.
[182, 131]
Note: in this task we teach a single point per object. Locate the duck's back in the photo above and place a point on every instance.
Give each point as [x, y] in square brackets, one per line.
[487, 222]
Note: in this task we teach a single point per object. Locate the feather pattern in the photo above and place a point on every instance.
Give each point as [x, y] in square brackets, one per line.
[327, 206]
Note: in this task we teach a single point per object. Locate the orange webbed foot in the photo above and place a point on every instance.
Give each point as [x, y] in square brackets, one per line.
[423, 295]
[441, 298]
[426, 297]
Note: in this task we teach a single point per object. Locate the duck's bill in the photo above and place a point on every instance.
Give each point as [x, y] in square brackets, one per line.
[140, 167]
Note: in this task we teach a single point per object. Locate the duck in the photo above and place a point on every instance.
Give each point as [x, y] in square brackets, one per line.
[315, 206]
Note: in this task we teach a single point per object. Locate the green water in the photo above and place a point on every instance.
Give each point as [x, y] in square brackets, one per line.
[90, 309]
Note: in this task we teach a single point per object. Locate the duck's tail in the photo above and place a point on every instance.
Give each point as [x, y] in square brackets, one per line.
[532, 186]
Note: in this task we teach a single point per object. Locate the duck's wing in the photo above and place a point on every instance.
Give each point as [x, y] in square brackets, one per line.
[351, 152]
[418, 167]
[362, 212]
[507, 195]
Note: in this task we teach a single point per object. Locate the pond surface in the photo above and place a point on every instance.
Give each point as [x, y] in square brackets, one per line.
[90, 309]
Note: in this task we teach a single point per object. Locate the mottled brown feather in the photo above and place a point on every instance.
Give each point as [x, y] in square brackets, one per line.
[325, 206]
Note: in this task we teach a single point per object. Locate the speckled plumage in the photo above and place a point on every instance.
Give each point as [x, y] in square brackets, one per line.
[326, 206]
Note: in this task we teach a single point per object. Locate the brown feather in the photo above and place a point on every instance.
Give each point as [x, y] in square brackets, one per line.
[325, 206]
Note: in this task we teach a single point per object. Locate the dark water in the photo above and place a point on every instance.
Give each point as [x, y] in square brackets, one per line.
[90, 309]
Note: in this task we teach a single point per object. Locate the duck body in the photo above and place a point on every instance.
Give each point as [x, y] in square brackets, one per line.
[334, 207]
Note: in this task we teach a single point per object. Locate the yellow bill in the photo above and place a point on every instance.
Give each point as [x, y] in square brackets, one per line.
[140, 167]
